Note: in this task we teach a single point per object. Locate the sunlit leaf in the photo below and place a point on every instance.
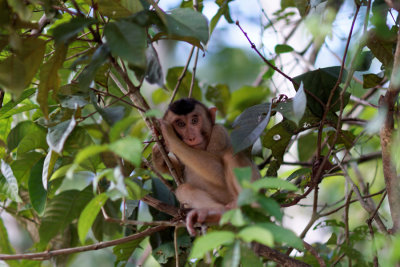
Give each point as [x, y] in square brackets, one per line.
[257, 234]
[233, 255]
[119, 8]
[129, 148]
[8, 109]
[210, 241]
[89, 214]
[234, 217]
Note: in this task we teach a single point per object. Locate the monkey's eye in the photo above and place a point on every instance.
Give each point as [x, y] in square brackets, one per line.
[195, 120]
[180, 124]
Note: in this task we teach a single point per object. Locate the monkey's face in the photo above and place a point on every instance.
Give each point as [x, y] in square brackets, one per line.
[194, 128]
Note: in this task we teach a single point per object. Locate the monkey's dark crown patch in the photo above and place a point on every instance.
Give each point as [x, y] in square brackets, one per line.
[183, 106]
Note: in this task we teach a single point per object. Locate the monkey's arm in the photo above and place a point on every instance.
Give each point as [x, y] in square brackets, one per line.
[160, 164]
[207, 165]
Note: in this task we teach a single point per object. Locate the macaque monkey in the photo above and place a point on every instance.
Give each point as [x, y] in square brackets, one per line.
[203, 154]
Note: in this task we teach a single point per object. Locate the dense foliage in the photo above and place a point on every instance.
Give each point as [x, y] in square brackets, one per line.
[81, 87]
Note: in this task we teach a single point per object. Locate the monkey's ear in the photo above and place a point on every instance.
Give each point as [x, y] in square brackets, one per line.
[213, 112]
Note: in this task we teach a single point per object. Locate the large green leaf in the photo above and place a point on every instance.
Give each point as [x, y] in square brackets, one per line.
[49, 78]
[10, 107]
[249, 126]
[63, 33]
[209, 242]
[186, 24]
[283, 236]
[89, 214]
[129, 148]
[57, 135]
[119, 8]
[23, 165]
[257, 234]
[128, 41]
[61, 211]
[246, 97]
[320, 83]
[37, 192]
[23, 130]
[18, 70]
[8, 183]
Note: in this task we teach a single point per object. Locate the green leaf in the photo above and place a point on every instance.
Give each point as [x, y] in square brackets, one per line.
[129, 148]
[381, 47]
[247, 96]
[110, 114]
[249, 126]
[273, 183]
[5, 245]
[89, 214]
[223, 9]
[283, 48]
[37, 193]
[320, 83]
[186, 24]
[119, 8]
[89, 151]
[220, 96]
[154, 113]
[120, 126]
[8, 183]
[233, 255]
[243, 175]
[234, 216]
[371, 80]
[209, 242]
[173, 77]
[18, 70]
[363, 61]
[57, 135]
[249, 258]
[61, 211]
[9, 108]
[124, 251]
[49, 78]
[63, 33]
[23, 165]
[88, 74]
[128, 41]
[270, 206]
[257, 234]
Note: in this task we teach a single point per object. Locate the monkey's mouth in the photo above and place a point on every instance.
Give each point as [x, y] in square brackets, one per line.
[198, 146]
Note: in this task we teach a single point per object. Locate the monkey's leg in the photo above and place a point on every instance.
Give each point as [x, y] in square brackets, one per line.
[196, 198]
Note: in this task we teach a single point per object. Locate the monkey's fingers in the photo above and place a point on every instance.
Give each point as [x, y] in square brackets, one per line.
[191, 219]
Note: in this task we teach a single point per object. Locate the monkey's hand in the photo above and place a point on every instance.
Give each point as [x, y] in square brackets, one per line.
[168, 133]
[202, 216]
